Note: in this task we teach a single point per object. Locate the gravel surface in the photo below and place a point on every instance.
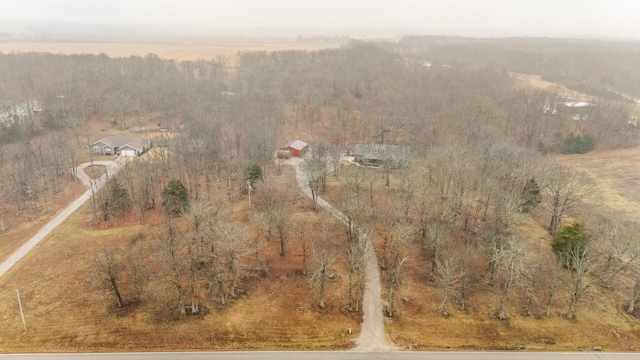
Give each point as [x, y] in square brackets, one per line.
[372, 335]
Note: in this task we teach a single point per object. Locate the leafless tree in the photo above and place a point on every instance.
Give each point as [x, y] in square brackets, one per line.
[324, 255]
[275, 199]
[357, 257]
[450, 274]
[236, 255]
[399, 250]
[583, 262]
[511, 260]
[635, 267]
[565, 190]
[108, 262]
[616, 241]
[172, 258]
[138, 270]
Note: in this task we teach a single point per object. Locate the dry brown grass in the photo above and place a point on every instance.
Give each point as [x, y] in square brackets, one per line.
[22, 225]
[65, 311]
[615, 172]
[601, 320]
[177, 52]
[536, 82]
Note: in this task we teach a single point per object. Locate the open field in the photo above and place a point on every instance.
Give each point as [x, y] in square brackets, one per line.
[616, 172]
[179, 52]
[536, 82]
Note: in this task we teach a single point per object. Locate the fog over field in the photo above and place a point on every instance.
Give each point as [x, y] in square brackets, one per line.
[568, 18]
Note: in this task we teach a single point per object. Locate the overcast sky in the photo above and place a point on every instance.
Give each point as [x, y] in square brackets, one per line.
[601, 18]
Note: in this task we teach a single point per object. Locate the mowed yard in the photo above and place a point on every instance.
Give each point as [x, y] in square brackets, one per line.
[65, 309]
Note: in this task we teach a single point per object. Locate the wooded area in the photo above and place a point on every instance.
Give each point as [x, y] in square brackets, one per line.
[451, 218]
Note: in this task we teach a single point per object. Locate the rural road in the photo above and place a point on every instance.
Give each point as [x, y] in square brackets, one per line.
[329, 355]
[372, 335]
[112, 168]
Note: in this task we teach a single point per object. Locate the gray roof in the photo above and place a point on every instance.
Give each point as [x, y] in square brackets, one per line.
[121, 141]
[297, 144]
[381, 152]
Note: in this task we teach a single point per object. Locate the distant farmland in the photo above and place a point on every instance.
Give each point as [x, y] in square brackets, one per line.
[175, 51]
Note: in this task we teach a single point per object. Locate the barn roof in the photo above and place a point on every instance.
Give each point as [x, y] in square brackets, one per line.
[297, 144]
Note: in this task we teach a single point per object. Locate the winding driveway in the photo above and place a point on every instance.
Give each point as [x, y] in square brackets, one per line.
[372, 335]
[112, 168]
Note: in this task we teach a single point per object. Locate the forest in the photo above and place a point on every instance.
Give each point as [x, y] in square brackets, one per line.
[480, 220]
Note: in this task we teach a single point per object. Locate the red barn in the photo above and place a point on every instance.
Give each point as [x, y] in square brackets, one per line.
[296, 148]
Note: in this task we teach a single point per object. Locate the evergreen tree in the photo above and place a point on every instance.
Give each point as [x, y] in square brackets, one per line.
[531, 194]
[175, 197]
[570, 240]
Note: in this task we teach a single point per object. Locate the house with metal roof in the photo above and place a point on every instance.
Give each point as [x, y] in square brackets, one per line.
[378, 154]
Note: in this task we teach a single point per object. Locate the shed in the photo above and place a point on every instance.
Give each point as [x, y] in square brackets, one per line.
[296, 148]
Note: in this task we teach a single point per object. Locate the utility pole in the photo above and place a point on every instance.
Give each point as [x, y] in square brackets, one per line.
[24, 323]
[249, 191]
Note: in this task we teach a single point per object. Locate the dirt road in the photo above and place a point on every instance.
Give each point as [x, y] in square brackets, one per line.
[372, 335]
[112, 168]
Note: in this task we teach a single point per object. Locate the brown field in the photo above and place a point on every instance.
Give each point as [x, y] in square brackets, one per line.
[536, 82]
[616, 173]
[66, 311]
[177, 52]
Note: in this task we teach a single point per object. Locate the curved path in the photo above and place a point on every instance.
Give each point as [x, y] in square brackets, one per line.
[372, 335]
[112, 168]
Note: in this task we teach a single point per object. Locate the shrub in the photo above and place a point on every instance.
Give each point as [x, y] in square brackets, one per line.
[579, 144]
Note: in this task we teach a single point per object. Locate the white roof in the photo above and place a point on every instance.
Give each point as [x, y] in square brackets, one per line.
[576, 104]
[298, 145]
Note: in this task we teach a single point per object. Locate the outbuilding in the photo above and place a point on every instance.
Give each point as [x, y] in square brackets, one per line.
[297, 148]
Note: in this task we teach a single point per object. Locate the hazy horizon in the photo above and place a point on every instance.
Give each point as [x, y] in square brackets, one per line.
[546, 18]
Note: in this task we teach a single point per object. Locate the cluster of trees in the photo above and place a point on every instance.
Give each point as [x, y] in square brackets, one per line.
[473, 129]
[584, 65]
[32, 172]
[457, 208]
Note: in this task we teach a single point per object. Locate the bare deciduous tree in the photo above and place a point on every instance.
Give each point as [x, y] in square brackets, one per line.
[109, 264]
[565, 189]
[450, 274]
[510, 264]
[399, 250]
[324, 255]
